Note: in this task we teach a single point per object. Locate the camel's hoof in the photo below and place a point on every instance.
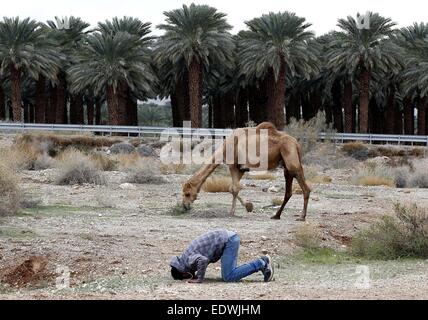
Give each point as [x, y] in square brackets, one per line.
[275, 217]
[301, 219]
[249, 206]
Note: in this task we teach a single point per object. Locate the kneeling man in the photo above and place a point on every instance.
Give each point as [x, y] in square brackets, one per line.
[210, 248]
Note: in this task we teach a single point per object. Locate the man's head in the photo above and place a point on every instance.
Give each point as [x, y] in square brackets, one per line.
[178, 275]
[190, 194]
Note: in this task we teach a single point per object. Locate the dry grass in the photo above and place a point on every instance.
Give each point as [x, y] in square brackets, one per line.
[217, 184]
[104, 162]
[9, 192]
[144, 172]
[65, 141]
[374, 175]
[77, 168]
[172, 168]
[127, 161]
[308, 237]
[277, 202]
[356, 150]
[262, 176]
[413, 176]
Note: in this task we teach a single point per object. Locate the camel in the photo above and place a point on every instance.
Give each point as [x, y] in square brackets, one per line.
[283, 150]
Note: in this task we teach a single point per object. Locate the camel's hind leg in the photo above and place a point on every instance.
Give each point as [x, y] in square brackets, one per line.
[288, 194]
[306, 193]
[236, 175]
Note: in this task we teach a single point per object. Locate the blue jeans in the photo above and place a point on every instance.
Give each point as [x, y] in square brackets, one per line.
[229, 271]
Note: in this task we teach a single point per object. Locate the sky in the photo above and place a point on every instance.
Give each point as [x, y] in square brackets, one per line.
[322, 14]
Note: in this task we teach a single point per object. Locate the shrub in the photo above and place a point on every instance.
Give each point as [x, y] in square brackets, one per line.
[144, 173]
[145, 176]
[374, 175]
[401, 177]
[77, 168]
[404, 236]
[217, 184]
[356, 150]
[43, 162]
[307, 132]
[419, 177]
[9, 193]
[277, 202]
[308, 237]
[104, 162]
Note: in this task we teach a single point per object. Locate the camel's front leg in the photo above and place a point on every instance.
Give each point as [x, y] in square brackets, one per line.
[236, 175]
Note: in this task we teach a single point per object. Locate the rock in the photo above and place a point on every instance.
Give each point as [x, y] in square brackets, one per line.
[264, 251]
[127, 186]
[273, 189]
[146, 151]
[121, 148]
[264, 238]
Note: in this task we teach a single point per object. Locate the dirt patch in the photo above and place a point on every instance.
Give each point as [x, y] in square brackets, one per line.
[211, 213]
[31, 272]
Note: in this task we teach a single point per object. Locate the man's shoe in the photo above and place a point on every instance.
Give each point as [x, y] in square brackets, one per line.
[268, 270]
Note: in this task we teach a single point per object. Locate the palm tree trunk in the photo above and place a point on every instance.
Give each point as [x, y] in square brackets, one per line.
[210, 113]
[219, 117]
[76, 109]
[306, 106]
[390, 112]
[97, 111]
[9, 107]
[195, 93]
[337, 106]
[293, 108]
[90, 110]
[364, 99]
[132, 110]
[276, 97]
[422, 106]
[61, 107]
[40, 105]
[113, 106]
[50, 115]
[2, 104]
[32, 112]
[409, 116]
[241, 109]
[257, 103]
[26, 113]
[175, 110]
[229, 108]
[348, 107]
[15, 79]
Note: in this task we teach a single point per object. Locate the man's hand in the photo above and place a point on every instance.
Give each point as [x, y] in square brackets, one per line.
[194, 281]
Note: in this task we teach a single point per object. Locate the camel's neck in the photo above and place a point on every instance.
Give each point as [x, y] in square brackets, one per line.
[201, 176]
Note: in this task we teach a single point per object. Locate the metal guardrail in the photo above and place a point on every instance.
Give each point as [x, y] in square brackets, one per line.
[218, 133]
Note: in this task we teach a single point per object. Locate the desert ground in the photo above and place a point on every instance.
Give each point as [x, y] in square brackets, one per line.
[116, 239]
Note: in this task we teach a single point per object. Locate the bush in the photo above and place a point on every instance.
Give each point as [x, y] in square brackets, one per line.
[217, 184]
[262, 176]
[401, 177]
[43, 162]
[405, 236]
[308, 237]
[307, 132]
[356, 150]
[9, 193]
[374, 175]
[104, 162]
[144, 173]
[77, 168]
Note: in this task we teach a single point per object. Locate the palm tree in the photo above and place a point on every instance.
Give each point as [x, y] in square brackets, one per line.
[414, 40]
[276, 43]
[362, 50]
[68, 33]
[197, 35]
[106, 62]
[25, 49]
[139, 29]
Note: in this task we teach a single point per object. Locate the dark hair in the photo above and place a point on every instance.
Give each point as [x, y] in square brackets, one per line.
[177, 275]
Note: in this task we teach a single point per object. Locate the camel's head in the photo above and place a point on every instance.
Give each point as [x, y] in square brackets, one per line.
[190, 194]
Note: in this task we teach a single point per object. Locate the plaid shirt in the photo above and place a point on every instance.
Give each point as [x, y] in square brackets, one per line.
[205, 249]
